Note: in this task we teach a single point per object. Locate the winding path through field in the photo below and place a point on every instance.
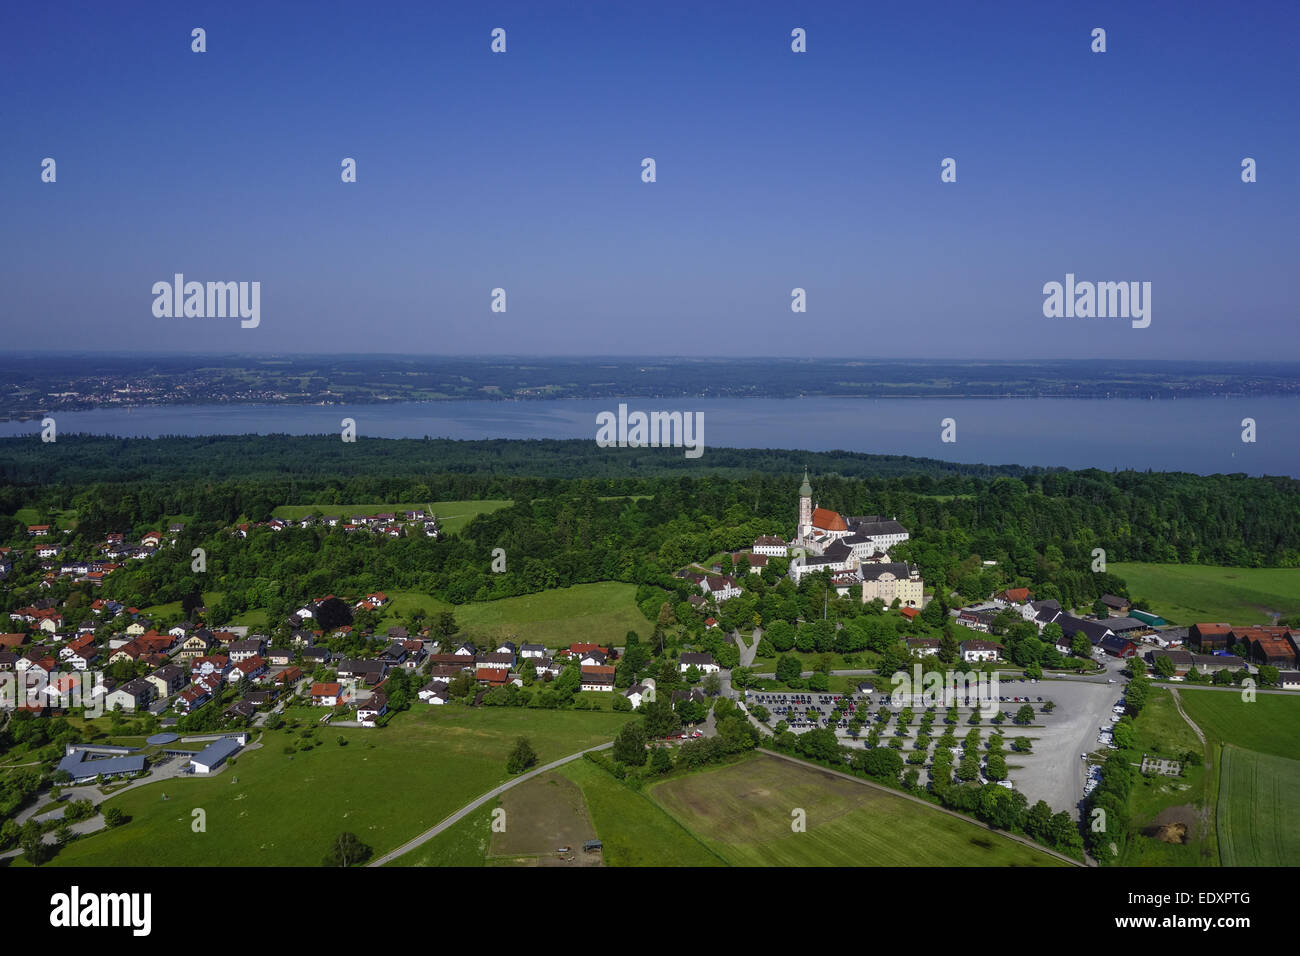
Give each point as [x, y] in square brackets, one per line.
[1205, 816]
[429, 834]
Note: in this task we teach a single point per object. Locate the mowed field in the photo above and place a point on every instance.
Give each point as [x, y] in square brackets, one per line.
[1188, 593]
[743, 812]
[1259, 802]
[1268, 724]
[385, 785]
[634, 829]
[595, 613]
[452, 515]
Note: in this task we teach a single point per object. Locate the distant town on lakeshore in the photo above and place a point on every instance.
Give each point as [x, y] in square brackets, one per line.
[40, 382]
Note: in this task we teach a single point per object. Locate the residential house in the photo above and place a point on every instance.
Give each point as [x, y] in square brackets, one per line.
[597, 678]
[704, 663]
[327, 694]
[315, 656]
[198, 644]
[492, 676]
[434, 692]
[720, 587]
[643, 692]
[369, 672]
[243, 650]
[251, 668]
[167, 680]
[976, 650]
[923, 646]
[192, 698]
[374, 708]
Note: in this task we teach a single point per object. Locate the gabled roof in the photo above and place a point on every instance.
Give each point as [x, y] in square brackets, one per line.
[827, 520]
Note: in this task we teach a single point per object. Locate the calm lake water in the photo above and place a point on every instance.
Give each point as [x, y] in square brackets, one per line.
[1201, 435]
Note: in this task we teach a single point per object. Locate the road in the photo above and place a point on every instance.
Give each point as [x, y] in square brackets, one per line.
[748, 651]
[429, 834]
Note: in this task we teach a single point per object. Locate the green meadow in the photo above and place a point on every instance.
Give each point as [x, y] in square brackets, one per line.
[1269, 724]
[452, 515]
[597, 613]
[1259, 800]
[386, 785]
[1188, 593]
[744, 812]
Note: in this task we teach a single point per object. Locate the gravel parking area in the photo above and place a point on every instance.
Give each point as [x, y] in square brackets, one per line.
[1054, 771]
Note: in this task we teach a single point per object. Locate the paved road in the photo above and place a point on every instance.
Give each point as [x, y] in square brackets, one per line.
[428, 835]
[748, 651]
[907, 796]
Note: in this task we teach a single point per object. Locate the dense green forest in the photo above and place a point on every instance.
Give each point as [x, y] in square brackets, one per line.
[76, 459]
[1041, 527]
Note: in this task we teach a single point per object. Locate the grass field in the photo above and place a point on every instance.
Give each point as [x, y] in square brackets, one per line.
[1161, 730]
[1270, 724]
[1188, 593]
[452, 515]
[743, 812]
[541, 816]
[635, 830]
[63, 520]
[463, 844]
[1259, 800]
[386, 785]
[596, 613]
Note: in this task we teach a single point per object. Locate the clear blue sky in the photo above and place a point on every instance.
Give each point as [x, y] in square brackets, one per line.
[775, 170]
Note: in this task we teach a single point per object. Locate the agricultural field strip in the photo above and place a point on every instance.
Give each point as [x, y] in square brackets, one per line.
[952, 813]
[474, 805]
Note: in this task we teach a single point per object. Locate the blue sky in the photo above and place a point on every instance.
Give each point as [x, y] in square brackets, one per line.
[775, 170]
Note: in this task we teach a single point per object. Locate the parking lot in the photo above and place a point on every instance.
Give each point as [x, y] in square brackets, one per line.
[1054, 770]
[804, 711]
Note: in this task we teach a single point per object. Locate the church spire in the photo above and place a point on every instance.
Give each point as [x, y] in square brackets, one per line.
[805, 490]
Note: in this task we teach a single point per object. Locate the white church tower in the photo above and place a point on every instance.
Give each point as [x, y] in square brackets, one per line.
[805, 508]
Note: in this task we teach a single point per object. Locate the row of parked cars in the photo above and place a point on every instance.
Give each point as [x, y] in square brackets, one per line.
[1094, 778]
[803, 711]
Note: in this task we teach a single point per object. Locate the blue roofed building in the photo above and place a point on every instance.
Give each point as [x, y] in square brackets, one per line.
[215, 754]
[85, 765]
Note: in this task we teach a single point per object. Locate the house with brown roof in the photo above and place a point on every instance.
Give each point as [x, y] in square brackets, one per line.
[492, 676]
[327, 694]
[599, 678]
[192, 698]
[979, 650]
[250, 668]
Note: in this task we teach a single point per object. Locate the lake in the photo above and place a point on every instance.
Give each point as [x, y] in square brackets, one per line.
[1201, 435]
